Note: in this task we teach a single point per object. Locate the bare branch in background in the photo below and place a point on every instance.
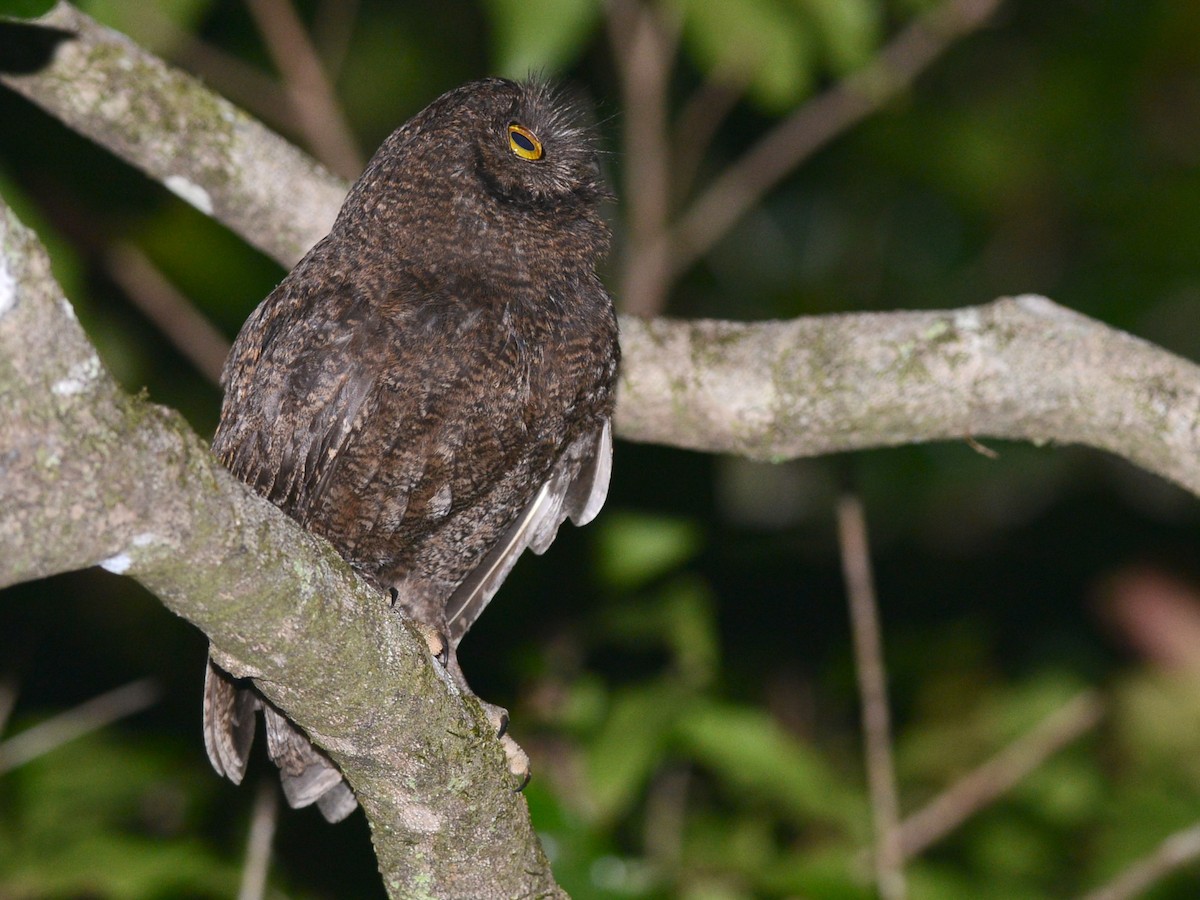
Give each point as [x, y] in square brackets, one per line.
[196, 338]
[742, 186]
[986, 784]
[263, 819]
[872, 691]
[314, 104]
[643, 40]
[76, 722]
[698, 123]
[665, 255]
[1179, 850]
[332, 31]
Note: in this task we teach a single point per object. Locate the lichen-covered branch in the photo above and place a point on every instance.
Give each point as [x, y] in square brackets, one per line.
[91, 475]
[166, 123]
[1021, 368]
[88, 474]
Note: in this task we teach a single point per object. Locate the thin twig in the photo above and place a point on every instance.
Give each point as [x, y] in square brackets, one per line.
[74, 723]
[872, 687]
[999, 774]
[258, 845]
[317, 110]
[176, 317]
[644, 46]
[814, 125]
[698, 123]
[1180, 849]
[333, 32]
[981, 448]
[8, 699]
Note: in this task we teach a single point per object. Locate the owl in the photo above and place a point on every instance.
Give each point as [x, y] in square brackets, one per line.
[431, 388]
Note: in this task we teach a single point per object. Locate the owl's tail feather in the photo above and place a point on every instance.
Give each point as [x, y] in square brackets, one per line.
[308, 775]
[228, 723]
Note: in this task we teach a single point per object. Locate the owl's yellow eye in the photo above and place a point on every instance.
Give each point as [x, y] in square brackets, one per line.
[523, 142]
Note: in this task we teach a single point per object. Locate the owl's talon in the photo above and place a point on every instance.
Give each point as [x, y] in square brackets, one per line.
[518, 761]
[497, 717]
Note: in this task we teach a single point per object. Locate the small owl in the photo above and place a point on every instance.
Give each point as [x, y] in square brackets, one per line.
[431, 388]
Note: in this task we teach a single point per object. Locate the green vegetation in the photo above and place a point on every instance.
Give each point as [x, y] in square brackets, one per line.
[681, 671]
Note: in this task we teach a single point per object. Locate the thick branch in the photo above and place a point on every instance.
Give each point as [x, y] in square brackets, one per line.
[1021, 368]
[166, 123]
[90, 475]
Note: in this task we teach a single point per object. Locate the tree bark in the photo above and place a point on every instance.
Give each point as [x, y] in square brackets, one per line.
[1023, 369]
[92, 476]
[89, 475]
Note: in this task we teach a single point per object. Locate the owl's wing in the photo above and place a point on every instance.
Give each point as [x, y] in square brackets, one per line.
[286, 437]
[576, 489]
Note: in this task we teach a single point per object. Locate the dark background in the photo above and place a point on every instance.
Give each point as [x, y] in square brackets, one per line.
[681, 671]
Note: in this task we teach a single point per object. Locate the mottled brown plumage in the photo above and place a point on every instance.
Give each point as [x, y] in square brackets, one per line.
[431, 388]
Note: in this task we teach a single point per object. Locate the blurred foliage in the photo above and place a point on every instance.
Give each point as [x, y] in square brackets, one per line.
[109, 818]
[681, 670]
[21, 9]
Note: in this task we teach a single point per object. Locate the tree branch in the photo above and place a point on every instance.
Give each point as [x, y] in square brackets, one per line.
[89, 475]
[310, 93]
[744, 183]
[178, 132]
[869, 665]
[1023, 368]
[1020, 368]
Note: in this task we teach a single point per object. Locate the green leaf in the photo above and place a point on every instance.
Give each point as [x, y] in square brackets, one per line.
[849, 30]
[636, 549]
[24, 9]
[107, 816]
[761, 42]
[681, 616]
[630, 745]
[539, 35]
[752, 754]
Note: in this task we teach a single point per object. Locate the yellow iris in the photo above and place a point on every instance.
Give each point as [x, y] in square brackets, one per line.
[523, 142]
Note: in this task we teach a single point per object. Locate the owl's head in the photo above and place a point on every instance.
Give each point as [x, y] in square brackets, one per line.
[531, 144]
[517, 143]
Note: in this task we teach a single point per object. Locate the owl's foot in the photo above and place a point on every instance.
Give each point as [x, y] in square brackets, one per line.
[497, 716]
[439, 647]
[518, 759]
[518, 762]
